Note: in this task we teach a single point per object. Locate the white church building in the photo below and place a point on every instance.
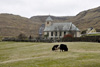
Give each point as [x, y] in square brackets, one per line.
[59, 30]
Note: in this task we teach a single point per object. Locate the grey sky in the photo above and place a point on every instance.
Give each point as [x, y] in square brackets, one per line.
[28, 8]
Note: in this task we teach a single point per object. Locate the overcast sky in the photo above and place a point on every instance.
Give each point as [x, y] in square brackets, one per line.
[28, 8]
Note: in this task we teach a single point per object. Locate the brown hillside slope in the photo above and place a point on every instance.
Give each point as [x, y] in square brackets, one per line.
[83, 20]
[13, 25]
[41, 19]
[86, 19]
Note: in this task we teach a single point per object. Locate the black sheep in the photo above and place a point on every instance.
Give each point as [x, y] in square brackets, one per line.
[55, 47]
[63, 47]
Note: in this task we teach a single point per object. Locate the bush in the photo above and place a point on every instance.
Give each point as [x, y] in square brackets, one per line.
[30, 37]
[82, 39]
[8, 39]
[22, 36]
[68, 36]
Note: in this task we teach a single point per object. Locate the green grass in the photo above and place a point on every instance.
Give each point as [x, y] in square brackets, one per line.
[29, 54]
[1, 38]
[93, 35]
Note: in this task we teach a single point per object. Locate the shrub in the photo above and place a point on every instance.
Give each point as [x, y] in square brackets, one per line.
[30, 37]
[68, 36]
[8, 39]
[22, 36]
[83, 32]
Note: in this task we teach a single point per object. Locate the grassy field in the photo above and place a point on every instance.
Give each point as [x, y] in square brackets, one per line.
[28, 54]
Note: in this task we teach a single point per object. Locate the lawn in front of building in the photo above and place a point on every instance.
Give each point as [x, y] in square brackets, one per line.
[30, 54]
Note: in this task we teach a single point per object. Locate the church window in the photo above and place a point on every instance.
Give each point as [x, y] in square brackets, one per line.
[48, 33]
[51, 33]
[55, 33]
[60, 33]
[47, 22]
[64, 33]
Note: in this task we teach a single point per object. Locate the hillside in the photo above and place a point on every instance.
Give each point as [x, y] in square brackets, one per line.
[88, 18]
[13, 25]
[41, 19]
[83, 20]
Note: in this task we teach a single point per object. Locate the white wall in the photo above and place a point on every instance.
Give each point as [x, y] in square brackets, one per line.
[76, 34]
[50, 23]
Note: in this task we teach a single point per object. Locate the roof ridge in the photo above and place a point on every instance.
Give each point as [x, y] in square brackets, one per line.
[70, 26]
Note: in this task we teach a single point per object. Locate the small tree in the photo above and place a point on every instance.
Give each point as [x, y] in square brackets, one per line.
[30, 37]
[83, 32]
[68, 36]
[22, 36]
